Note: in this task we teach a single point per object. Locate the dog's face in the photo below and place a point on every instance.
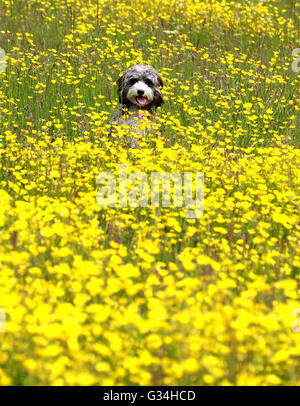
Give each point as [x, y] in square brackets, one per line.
[140, 86]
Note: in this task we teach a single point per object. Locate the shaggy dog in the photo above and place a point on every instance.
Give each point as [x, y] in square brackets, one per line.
[139, 93]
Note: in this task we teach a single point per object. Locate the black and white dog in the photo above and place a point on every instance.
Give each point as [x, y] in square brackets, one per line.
[139, 92]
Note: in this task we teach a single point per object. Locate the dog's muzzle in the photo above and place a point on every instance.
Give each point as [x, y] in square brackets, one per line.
[141, 100]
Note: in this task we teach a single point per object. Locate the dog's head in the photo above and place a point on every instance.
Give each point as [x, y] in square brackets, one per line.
[140, 86]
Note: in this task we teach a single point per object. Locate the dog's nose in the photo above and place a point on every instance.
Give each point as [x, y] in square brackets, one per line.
[140, 92]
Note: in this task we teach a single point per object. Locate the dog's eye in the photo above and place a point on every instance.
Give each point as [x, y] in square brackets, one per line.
[149, 82]
[132, 82]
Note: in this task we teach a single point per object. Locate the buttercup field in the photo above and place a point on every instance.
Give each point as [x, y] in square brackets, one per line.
[145, 295]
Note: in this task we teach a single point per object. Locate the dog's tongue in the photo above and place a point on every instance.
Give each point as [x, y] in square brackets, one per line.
[141, 100]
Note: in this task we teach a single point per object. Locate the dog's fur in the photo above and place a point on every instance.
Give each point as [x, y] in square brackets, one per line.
[139, 91]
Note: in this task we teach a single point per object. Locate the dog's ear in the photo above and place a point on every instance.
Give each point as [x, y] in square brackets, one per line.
[160, 81]
[120, 83]
[158, 99]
